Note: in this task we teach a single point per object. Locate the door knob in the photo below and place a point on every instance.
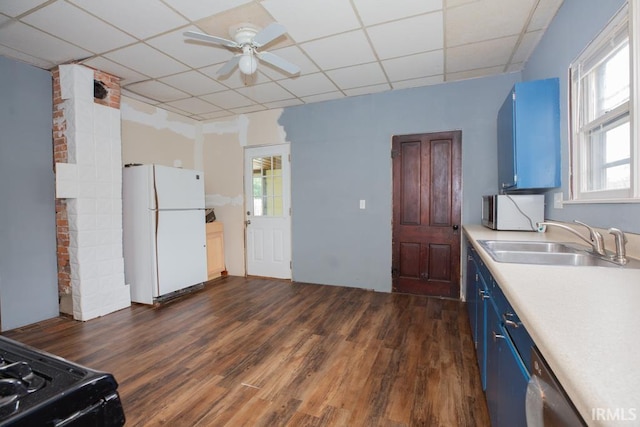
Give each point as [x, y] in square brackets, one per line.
[247, 222]
[455, 227]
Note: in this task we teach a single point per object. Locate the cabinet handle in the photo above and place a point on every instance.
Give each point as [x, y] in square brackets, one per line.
[509, 322]
[496, 336]
[483, 294]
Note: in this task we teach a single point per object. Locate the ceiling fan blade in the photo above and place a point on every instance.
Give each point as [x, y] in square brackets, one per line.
[230, 65]
[268, 34]
[279, 62]
[212, 39]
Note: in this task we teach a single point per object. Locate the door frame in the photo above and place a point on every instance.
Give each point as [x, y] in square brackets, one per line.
[265, 150]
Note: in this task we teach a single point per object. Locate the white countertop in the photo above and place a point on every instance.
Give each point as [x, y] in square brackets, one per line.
[586, 323]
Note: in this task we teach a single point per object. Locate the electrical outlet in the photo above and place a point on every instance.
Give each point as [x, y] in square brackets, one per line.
[557, 200]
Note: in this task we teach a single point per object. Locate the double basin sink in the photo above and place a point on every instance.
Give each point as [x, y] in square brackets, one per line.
[548, 253]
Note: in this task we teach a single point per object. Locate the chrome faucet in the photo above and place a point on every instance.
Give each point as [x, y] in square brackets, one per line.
[621, 253]
[595, 237]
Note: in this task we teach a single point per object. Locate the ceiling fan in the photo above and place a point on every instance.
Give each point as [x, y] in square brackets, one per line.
[249, 39]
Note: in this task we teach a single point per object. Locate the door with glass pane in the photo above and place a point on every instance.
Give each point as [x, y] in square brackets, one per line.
[268, 216]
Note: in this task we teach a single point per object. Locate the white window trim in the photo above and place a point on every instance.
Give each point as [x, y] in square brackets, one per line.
[610, 196]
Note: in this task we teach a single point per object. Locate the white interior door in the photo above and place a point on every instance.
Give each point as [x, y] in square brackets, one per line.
[268, 215]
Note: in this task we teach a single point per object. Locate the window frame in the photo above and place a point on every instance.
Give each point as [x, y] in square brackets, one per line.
[627, 17]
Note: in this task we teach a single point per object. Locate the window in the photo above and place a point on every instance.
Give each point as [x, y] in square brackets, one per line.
[267, 186]
[604, 155]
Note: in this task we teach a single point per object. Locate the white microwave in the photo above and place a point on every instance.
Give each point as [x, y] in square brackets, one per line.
[513, 211]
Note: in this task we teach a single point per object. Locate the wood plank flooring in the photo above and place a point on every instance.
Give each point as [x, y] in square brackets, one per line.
[260, 352]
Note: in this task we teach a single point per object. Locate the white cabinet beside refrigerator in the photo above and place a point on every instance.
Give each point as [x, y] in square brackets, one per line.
[164, 233]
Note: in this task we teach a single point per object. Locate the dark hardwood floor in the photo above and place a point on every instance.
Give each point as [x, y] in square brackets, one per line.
[267, 352]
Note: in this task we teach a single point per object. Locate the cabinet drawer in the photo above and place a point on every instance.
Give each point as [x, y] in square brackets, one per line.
[512, 324]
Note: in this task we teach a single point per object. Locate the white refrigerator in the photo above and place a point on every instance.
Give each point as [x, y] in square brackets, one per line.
[164, 233]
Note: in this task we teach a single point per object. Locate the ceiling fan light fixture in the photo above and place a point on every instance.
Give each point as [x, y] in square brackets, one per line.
[248, 63]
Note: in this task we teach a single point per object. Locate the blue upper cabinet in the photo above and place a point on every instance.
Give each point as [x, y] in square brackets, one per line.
[529, 137]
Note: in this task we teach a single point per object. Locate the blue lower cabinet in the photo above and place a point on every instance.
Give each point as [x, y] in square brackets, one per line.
[503, 346]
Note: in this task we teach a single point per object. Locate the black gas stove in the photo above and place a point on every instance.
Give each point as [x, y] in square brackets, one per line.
[40, 389]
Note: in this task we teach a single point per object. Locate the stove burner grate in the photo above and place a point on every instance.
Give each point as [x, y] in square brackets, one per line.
[17, 379]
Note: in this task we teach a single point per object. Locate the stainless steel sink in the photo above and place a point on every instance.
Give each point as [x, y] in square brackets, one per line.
[510, 245]
[547, 253]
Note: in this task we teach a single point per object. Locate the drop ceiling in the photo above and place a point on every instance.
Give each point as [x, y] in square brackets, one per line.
[343, 47]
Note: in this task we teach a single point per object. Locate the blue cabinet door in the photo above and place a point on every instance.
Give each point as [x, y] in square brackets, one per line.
[477, 295]
[529, 137]
[471, 288]
[493, 385]
[513, 379]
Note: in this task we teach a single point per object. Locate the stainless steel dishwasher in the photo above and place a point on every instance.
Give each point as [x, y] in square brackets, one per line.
[547, 403]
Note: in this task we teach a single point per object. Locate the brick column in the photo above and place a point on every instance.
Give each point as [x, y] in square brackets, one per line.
[60, 156]
[88, 166]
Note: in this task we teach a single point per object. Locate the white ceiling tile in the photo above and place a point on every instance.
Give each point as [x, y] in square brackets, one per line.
[228, 99]
[128, 94]
[365, 90]
[311, 84]
[485, 20]
[146, 60]
[544, 13]
[29, 41]
[414, 66]
[72, 24]
[484, 54]
[526, 46]
[193, 106]
[141, 18]
[412, 35]
[126, 75]
[40, 63]
[216, 115]
[341, 50]
[15, 8]
[515, 67]
[357, 76]
[376, 11]
[323, 97]
[191, 52]
[424, 81]
[193, 83]
[173, 109]
[235, 79]
[283, 103]
[267, 92]
[198, 9]
[294, 55]
[157, 90]
[472, 74]
[312, 19]
[248, 109]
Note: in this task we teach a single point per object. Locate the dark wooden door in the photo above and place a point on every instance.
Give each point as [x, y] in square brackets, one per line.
[426, 213]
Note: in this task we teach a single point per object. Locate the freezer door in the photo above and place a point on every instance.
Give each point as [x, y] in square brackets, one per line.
[177, 188]
[181, 250]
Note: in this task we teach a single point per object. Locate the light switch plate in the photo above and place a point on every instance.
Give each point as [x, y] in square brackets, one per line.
[363, 204]
[557, 200]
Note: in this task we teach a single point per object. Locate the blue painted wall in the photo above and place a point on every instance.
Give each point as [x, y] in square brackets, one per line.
[28, 268]
[341, 154]
[575, 25]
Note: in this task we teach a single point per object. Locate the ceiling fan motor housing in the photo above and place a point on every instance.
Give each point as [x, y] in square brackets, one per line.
[243, 34]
